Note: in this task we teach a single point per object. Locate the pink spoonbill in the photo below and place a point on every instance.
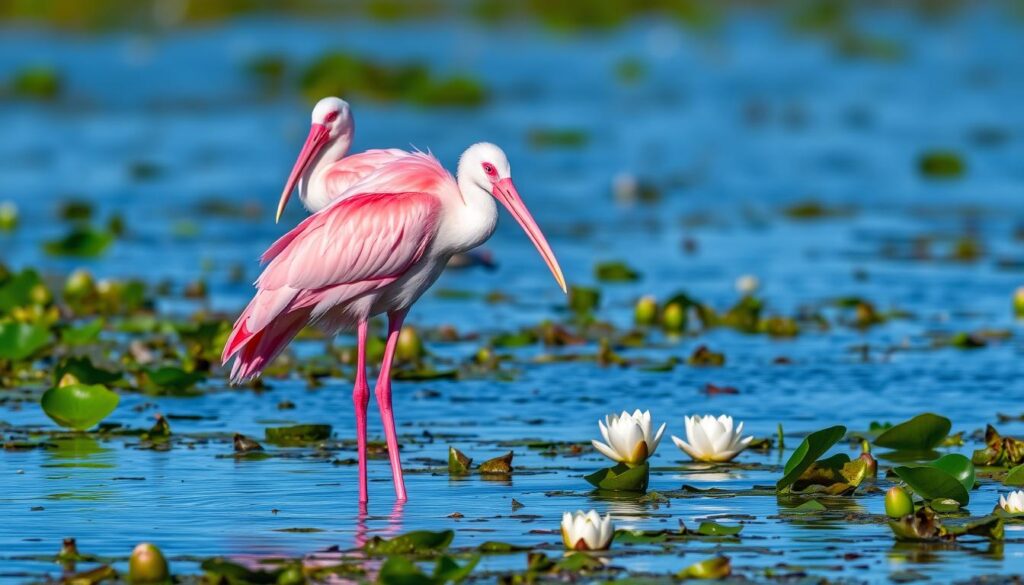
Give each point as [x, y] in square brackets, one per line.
[322, 172]
[374, 250]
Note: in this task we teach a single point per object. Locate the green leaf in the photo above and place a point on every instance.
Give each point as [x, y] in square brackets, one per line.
[810, 506]
[448, 571]
[79, 406]
[958, 466]
[715, 529]
[641, 536]
[416, 542]
[84, 371]
[813, 446]
[921, 433]
[621, 478]
[219, 570]
[170, 378]
[932, 483]
[83, 334]
[1015, 476]
[713, 568]
[615, 272]
[82, 242]
[458, 463]
[497, 547]
[580, 561]
[19, 341]
[17, 291]
[297, 435]
[402, 571]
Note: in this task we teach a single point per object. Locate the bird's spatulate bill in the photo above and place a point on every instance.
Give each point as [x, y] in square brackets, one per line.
[318, 135]
[508, 195]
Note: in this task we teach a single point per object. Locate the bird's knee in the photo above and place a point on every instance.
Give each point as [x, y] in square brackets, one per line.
[360, 395]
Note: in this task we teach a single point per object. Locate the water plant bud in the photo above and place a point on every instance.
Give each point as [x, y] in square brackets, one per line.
[712, 439]
[148, 565]
[8, 216]
[646, 312]
[898, 503]
[79, 284]
[870, 464]
[40, 295]
[1018, 302]
[674, 318]
[410, 346]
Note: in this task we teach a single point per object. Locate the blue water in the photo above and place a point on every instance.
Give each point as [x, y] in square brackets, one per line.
[732, 125]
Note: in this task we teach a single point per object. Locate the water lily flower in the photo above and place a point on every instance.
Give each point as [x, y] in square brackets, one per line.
[587, 530]
[712, 439]
[1014, 503]
[628, 437]
[747, 284]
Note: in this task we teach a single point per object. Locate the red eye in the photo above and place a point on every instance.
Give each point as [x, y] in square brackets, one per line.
[490, 170]
[330, 117]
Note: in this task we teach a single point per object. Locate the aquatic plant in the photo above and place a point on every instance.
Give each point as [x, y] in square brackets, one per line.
[585, 531]
[628, 437]
[712, 439]
[1013, 502]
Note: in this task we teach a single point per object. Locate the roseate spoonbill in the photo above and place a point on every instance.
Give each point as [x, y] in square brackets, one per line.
[323, 172]
[375, 250]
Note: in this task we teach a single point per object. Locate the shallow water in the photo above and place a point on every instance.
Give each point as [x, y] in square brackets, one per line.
[732, 125]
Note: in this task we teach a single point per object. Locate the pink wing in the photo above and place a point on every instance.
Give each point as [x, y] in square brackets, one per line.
[347, 172]
[353, 247]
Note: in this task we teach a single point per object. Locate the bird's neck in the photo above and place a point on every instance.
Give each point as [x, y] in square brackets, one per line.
[475, 219]
[312, 191]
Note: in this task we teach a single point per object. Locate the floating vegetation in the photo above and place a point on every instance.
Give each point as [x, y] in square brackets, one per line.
[347, 74]
[557, 138]
[37, 82]
[941, 164]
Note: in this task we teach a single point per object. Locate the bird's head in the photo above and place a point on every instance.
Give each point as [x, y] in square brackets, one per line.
[331, 122]
[484, 166]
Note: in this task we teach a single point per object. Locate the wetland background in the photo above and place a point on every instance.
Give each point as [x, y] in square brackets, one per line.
[863, 160]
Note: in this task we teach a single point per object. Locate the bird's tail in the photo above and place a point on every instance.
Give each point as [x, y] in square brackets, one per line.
[262, 331]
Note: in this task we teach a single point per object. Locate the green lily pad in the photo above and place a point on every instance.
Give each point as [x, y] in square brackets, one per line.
[621, 478]
[921, 433]
[297, 435]
[1015, 476]
[813, 446]
[615, 272]
[958, 466]
[808, 507]
[79, 406]
[415, 542]
[708, 528]
[18, 290]
[83, 334]
[933, 483]
[19, 341]
[713, 568]
[82, 242]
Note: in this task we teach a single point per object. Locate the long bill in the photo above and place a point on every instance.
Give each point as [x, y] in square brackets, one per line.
[318, 135]
[506, 192]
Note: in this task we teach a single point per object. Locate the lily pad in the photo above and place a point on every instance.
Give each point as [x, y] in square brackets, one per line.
[713, 568]
[616, 272]
[621, 478]
[410, 543]
[708, 528]
[79, 406]
[813, 446]
[83, 370]
[297, 435]
[921, 433]
[82, 242]
[1015, 476]
[948, 477]
[19, 341]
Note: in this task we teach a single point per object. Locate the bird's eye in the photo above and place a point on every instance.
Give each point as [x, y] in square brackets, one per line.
[330, 117]
[490, 170]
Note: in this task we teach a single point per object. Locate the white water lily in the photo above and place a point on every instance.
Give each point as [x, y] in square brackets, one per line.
[1014, 503]
[587, 530]
[712, 439]
[747, 284]
[628, 437]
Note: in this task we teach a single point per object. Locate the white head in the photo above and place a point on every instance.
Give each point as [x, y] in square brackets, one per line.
[331, 128]
[485, 167]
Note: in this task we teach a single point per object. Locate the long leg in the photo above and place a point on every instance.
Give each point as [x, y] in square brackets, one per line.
[383, 392]
[360, 398]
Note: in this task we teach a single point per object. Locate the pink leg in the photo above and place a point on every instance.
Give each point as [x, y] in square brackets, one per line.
[361, 397]
[383, 391]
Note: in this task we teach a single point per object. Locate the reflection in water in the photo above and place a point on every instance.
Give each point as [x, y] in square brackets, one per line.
[76, 447]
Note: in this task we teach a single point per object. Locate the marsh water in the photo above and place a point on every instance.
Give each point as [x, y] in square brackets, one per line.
[732, 126]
